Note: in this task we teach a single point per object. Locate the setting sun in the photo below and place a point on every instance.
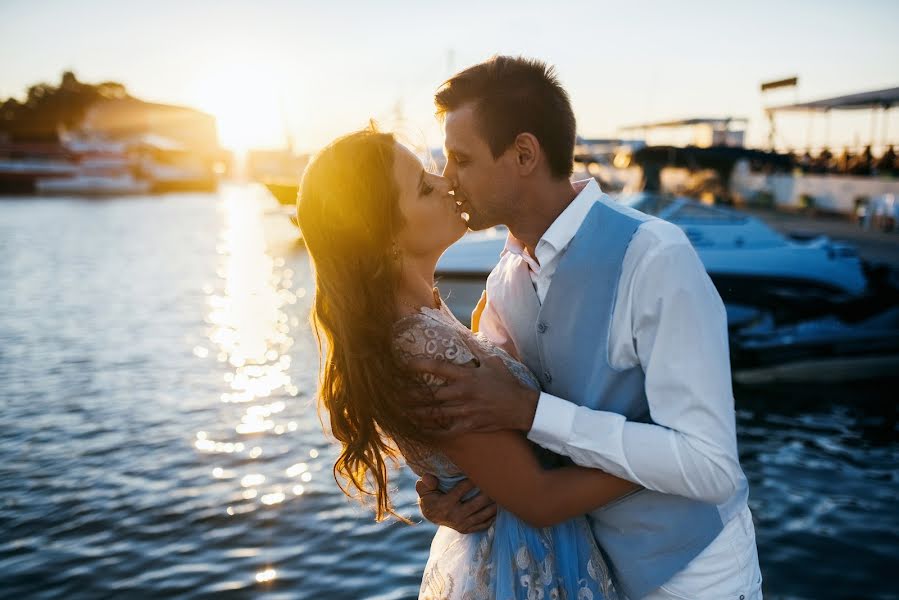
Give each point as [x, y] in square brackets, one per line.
[246, 101]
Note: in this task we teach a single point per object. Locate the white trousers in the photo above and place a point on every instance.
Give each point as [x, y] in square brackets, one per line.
[728, 569]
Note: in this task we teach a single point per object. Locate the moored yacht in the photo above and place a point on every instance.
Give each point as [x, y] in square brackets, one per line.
[97, 175]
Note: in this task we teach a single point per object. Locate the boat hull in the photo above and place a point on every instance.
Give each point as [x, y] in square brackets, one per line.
[92, 186]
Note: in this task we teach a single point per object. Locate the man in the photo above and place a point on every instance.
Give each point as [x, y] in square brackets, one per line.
[615, 314]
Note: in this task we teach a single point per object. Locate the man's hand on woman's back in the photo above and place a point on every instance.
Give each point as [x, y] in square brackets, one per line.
[473, 399]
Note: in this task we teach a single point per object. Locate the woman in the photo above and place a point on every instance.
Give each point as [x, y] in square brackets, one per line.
[375, 223]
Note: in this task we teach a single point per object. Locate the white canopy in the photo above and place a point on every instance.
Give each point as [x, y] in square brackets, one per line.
[864, 100]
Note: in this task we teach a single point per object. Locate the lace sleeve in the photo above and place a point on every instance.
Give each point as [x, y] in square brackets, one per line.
[421, 337]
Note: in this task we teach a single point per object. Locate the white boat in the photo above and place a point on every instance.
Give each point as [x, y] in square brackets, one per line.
[100, 168]
[172, 166]
[750, 262]
[737, 249]
[96, 177]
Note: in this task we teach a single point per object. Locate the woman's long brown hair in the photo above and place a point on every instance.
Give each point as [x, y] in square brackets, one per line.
[349, 213]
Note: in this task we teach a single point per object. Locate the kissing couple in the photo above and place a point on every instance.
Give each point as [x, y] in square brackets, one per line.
[579, 441]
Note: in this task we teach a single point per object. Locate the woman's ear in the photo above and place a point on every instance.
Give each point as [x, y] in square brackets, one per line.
[527, 152]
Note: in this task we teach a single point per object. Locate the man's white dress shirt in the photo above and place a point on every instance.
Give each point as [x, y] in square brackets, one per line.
[668, 318]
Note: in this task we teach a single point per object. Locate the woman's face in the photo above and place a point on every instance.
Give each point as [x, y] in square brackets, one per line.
[433, 221]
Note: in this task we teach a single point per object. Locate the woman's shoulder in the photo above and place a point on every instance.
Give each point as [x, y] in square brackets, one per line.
[430, 335]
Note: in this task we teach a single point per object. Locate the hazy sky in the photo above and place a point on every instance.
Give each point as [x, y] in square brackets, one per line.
[324, 68]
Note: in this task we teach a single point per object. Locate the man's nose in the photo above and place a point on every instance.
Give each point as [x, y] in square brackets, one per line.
[449, 172]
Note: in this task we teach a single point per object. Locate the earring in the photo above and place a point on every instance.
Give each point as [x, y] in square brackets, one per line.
[396, 251]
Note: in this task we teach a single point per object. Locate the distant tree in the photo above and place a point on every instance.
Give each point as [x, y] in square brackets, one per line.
[47, 107]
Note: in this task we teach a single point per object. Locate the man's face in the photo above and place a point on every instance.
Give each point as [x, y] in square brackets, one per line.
[486, 186]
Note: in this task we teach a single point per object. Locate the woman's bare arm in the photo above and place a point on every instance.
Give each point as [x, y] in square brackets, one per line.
[503, 465]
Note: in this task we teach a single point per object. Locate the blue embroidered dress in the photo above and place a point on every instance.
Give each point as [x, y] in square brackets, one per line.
[511, 560]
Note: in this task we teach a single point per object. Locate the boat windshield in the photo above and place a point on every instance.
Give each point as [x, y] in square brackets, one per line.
[694, 212]
[651, 204]
[680, 209]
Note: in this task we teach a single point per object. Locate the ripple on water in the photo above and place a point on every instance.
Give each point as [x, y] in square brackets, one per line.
[132, 327]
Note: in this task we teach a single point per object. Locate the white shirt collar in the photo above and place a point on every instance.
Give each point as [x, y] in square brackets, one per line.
[557, 237]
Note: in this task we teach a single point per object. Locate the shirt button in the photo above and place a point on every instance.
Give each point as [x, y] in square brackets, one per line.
[541, 327]
[547, 377]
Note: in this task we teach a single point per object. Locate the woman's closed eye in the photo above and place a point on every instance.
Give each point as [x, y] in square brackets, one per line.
[424, 188]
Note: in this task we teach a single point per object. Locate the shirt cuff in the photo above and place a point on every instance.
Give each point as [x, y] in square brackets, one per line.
[553, 422]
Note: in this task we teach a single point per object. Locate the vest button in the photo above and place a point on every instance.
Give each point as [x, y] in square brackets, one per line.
[541, 327]
[547, 377]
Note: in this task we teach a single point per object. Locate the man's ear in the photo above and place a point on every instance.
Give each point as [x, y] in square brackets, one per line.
[527, 152]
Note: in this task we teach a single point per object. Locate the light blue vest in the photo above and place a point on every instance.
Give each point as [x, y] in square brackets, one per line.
[647, 536]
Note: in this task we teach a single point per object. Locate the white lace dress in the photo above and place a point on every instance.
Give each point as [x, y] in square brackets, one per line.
[511, 560]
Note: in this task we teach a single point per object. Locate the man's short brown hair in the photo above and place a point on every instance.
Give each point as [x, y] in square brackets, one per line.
[514, 95]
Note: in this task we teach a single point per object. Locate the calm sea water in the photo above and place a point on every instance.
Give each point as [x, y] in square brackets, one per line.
[159, 438]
